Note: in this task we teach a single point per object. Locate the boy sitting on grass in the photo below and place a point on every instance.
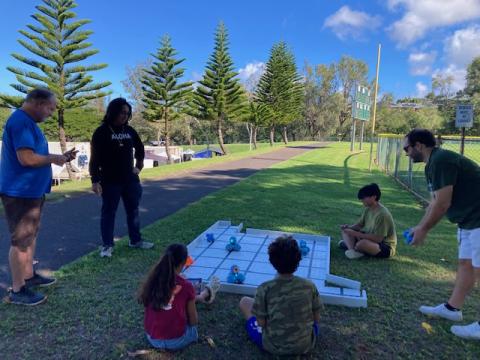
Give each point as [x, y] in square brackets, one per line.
[283, 318]
[374, 233]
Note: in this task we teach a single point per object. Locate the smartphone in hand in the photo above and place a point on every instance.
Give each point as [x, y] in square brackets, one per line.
[71, 154]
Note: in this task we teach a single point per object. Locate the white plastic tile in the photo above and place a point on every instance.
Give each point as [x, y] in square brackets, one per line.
[263, 268]
[212, 259]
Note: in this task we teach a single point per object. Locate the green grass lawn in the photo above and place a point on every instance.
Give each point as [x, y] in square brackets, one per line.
[92, 313]
[238, 151]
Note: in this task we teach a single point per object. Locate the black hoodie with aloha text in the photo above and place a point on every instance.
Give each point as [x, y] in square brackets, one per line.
[112, 151]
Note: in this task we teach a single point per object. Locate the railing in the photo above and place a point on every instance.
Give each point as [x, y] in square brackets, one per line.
[392, 159]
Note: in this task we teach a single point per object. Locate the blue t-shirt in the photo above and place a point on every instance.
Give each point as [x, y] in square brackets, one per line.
[21, 131]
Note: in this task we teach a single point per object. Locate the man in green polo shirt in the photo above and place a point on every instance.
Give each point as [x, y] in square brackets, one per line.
[454, 182]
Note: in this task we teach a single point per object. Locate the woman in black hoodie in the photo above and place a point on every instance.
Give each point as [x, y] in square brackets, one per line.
[114, 175]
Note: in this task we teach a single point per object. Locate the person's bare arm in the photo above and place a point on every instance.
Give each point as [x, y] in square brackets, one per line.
[316, 316]
[355, 227]
[360, 235]
[27, 157]
[438, 207]
[192, 313]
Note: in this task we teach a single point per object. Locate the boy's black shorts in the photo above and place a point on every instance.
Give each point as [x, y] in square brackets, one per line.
[384, 250]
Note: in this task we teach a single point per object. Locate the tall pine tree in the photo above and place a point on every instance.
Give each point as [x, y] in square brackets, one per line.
[280, 90]
[219, 96]
[57, 43]
[164, 97]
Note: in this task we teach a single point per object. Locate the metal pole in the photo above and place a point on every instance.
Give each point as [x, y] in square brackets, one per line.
[352, 142]
[361, 134]
[374, 108]
[462, 142]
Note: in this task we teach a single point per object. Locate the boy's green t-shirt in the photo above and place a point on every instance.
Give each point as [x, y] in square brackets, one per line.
[379, 221]
[287, 305]
[446, 168]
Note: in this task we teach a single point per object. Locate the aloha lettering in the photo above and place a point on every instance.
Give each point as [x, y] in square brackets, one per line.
[121, 136]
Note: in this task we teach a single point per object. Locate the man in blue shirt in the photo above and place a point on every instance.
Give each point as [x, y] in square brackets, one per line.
[25, 178]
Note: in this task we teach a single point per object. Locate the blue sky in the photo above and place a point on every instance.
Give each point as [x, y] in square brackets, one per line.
[419, 38]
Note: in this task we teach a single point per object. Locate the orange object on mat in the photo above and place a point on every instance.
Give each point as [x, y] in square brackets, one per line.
[189, 261]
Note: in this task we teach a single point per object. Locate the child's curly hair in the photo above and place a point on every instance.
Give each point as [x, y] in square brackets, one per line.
[284, 254]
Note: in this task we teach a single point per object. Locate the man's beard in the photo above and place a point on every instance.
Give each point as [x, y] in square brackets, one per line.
[416, 157]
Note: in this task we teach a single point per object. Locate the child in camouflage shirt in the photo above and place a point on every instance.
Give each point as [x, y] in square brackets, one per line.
[283, 317]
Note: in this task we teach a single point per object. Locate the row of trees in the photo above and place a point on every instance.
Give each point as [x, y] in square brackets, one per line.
[314, 105]
[219, 97]
[58, 45]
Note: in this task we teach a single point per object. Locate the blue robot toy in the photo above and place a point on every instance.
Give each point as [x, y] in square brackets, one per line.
[233, 245]
[304, 249]
[210, 238]
[235, 277]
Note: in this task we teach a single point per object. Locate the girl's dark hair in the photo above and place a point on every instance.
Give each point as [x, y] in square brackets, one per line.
[284, 254]
[369, 190]
[114, 108]
[157, 288]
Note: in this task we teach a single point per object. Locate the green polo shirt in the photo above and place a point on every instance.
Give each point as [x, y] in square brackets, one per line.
[446, 168]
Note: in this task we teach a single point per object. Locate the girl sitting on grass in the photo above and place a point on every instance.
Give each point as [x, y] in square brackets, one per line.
[170, 313]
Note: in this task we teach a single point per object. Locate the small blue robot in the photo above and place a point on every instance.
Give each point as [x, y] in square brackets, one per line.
[235, 277]
[408, 236]
[210, 238]
[304, 249]
[233, 245]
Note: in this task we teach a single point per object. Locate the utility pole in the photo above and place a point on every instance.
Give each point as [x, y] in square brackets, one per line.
[374, 108]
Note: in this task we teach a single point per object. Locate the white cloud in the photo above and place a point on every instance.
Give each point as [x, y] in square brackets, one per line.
[422, 89]
[463, 46]
[423, 15]
[250, 75]
[251, 69]
[350, 23]
[458, 75]
[196, 76]
[421, 62]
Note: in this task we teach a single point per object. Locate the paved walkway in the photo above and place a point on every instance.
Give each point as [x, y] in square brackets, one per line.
[71, 228]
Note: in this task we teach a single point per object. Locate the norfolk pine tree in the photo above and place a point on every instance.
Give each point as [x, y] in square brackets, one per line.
[165, 98]
[219, 96]
[280, 90]
[57, 43]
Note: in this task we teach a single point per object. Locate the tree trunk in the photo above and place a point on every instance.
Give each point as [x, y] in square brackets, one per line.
[167, 140]
[63, 140]
[272, 135]
[220, 136]
[284, 135]
[159, 134]
[254, 136]
[250, 134]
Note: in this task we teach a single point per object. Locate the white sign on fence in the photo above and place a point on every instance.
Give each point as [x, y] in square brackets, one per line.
[464, 116]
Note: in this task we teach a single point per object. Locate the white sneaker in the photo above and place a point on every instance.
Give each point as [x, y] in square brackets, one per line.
[353, 254]
[106, 251]
[471, 331]
[441, 311]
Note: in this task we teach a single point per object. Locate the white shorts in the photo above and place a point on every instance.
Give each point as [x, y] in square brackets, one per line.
[469, 245]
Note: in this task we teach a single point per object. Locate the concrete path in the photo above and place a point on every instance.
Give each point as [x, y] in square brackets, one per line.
[71, 228]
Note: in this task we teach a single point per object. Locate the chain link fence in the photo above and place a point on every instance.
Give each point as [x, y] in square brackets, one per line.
[392, 159]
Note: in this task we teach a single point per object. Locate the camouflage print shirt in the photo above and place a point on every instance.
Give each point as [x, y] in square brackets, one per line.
[287, 304]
